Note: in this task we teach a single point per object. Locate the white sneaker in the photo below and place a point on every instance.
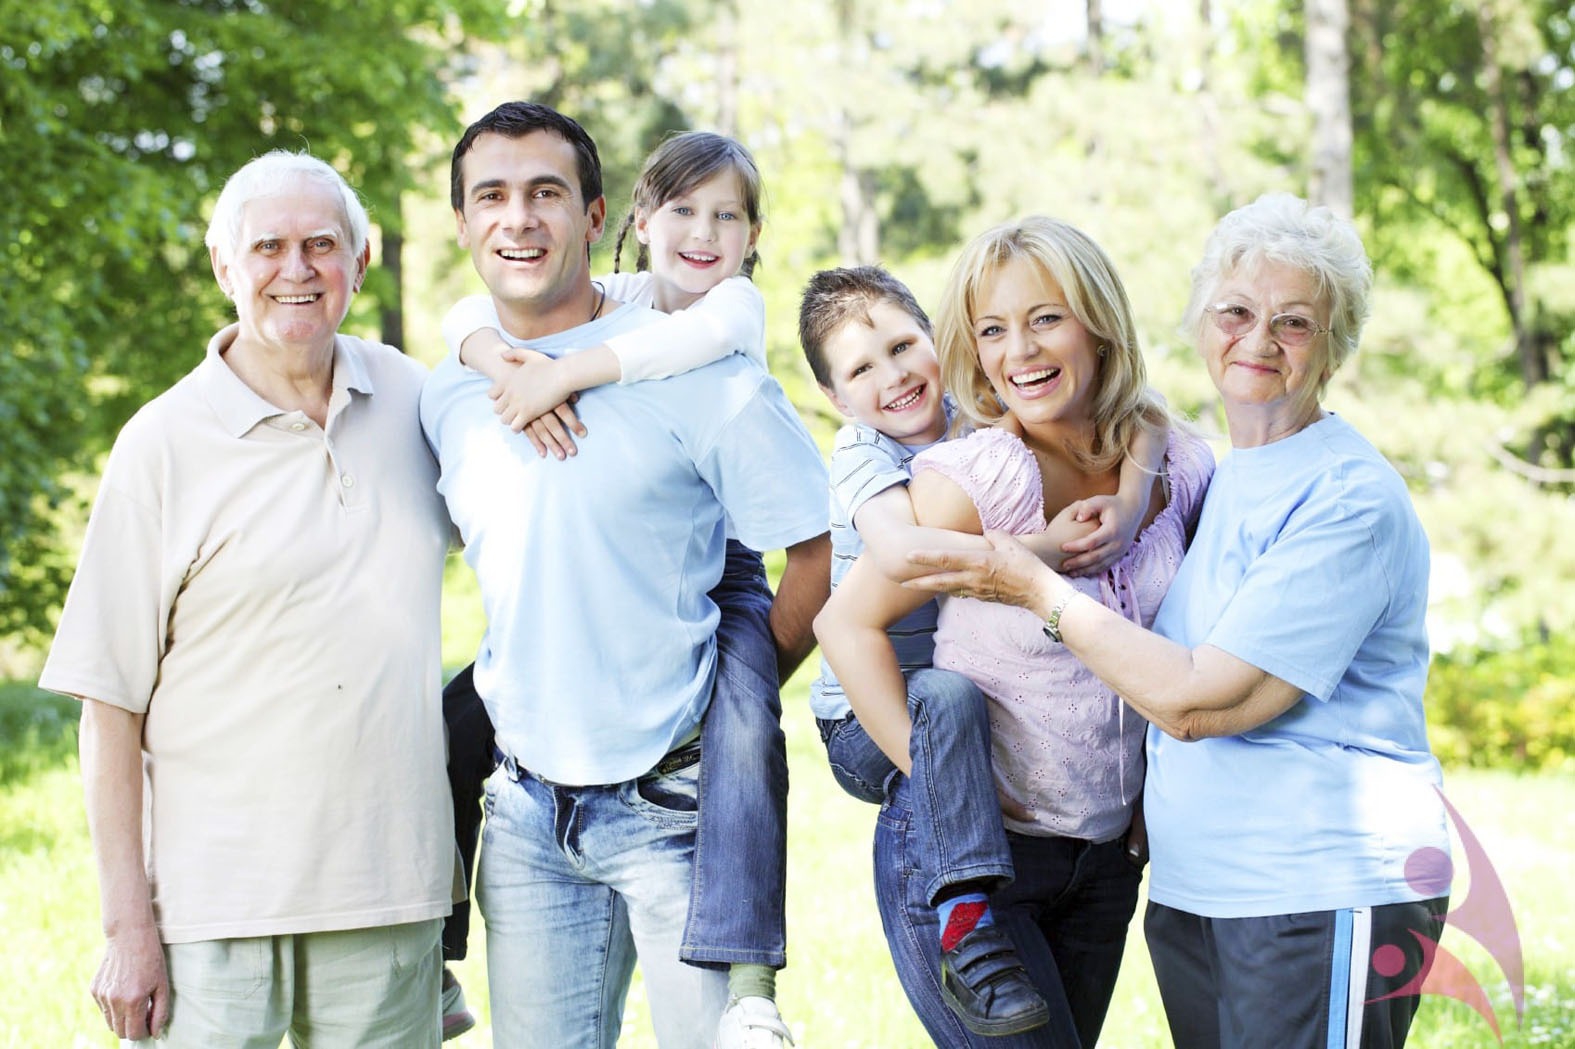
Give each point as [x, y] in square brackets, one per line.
[752, 1023]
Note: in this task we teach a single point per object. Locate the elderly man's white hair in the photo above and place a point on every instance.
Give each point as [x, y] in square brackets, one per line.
[268, 174]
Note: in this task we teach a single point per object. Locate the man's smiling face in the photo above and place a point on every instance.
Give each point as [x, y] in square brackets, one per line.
[528, 229]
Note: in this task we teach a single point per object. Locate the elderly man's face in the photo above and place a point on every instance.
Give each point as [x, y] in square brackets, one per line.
[528, 228]
[293, 271]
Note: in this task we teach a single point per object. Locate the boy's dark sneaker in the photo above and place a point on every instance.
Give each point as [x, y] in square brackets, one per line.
[986, 985]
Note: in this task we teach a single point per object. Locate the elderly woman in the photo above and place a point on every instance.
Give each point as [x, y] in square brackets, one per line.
[253, 633]
[1038, 346]
[1299, 844]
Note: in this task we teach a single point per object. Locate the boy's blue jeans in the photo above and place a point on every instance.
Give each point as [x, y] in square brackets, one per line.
[737, 901]
[1067, 913]
[957, 819]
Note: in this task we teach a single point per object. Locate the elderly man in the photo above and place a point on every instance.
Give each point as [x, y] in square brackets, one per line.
[600, 654]
[253, 631]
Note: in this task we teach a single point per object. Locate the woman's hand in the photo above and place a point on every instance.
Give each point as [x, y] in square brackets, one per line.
[1007, 573]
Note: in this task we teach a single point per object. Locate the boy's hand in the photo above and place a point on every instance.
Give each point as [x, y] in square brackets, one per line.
[1102, 547]
[536, 400]
[1060, 535]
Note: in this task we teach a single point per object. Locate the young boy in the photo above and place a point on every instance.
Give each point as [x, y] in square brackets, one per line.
[869, 345]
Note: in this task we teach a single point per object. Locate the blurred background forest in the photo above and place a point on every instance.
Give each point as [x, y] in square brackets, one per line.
[889, 131]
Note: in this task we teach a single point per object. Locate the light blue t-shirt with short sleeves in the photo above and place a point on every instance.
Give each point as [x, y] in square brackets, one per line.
[1309, 563]
[600, 651]
[864, 463]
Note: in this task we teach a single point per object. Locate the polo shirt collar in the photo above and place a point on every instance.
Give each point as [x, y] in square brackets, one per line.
[240, 408]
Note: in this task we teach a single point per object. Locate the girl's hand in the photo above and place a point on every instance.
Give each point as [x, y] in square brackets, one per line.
[537, 401]
[550, 432]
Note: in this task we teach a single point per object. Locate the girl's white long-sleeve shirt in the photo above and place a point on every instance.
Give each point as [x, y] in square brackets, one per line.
[730, 318]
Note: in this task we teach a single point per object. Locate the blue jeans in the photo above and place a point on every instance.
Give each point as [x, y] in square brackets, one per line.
[1067, 912]
[951, 788]
[575, 883]
[736, 904]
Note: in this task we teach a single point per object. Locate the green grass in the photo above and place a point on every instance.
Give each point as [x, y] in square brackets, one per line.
[839, 989]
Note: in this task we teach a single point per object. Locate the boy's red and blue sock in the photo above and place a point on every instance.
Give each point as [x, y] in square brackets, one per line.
[961, 915]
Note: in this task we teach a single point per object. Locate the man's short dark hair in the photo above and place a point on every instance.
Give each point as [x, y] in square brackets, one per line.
[516, 120]
[832, 298]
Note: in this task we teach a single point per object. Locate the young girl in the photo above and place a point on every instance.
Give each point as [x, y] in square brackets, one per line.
[696, 214]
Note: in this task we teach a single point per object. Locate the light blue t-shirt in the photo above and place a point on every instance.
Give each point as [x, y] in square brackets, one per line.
[1309, 563]
[600, 645]
[864, 463]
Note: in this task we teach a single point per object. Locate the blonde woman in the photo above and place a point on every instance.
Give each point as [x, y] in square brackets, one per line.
[1038, 346]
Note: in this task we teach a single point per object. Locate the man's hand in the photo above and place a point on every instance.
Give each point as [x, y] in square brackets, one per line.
[801, 592]
[132, 987]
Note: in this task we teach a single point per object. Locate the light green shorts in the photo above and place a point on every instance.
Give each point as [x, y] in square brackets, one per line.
[358, 989]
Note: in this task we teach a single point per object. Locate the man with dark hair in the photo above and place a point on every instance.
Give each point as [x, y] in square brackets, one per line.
[600, 651]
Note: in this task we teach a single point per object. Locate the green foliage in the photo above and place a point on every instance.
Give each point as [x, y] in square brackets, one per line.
[38, 731]
[1429, 81]
[118, 122]
[1511, 708]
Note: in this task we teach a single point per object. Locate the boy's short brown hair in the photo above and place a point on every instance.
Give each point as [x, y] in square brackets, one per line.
[834, 297]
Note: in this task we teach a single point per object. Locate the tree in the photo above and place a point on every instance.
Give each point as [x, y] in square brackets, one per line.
[1329, 98]
[1466, 113]
[118, 121]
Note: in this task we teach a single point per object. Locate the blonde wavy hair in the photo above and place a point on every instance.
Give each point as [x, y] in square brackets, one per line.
[1123, 403]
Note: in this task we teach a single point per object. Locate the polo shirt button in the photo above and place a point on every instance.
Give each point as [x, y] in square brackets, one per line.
[347, 480]
[298, 426]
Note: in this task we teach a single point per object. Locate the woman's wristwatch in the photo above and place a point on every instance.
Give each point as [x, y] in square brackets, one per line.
[1053, 620]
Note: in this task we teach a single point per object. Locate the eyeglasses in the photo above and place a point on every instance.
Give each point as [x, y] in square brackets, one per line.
[1287, 329]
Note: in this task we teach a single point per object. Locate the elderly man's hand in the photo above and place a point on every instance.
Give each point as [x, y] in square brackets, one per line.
[1007, 573]
[132, 987]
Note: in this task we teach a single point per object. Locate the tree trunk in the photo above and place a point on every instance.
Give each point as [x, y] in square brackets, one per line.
[858, 239]
[1533, 365]
[1329, 99]
[1096, 36]
[727, 67]
[391, 315]
[1209, 112]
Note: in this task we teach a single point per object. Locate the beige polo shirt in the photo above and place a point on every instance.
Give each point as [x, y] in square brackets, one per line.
[268, 593]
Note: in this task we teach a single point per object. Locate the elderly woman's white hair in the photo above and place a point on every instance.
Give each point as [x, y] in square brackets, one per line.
[1282, 228]
[267, 174]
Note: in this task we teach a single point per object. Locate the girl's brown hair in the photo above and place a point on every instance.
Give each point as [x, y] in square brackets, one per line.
[682, 162]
